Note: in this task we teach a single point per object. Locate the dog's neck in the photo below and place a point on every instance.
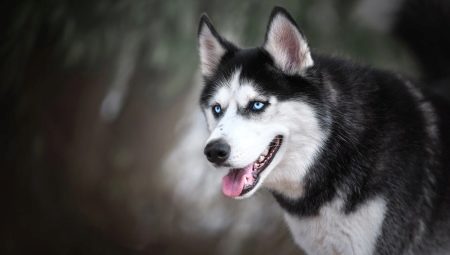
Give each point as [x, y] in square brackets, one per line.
[291, 189]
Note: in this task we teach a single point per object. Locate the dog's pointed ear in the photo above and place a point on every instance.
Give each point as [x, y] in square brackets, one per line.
[212, 47]
[286, 44]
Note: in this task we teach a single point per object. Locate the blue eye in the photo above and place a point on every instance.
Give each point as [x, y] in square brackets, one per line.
[258, 106]
[217, 109]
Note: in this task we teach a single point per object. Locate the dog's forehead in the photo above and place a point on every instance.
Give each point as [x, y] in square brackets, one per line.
[236, 88]
[257, 75]
[236, 72]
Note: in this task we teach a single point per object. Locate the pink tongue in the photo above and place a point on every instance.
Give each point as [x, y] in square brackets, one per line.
[233, 183]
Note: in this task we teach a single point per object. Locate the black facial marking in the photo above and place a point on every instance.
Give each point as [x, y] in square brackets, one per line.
[249, 110]
[213, 83]
[257, 66]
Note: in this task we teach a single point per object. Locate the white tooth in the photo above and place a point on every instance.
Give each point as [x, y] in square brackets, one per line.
[265, 151]
[261, 159]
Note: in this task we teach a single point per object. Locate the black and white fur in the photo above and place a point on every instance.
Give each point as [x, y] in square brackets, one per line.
[364, 162]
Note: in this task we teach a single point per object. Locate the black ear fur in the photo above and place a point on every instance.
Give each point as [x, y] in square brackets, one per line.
[286, 43]
[205, 21]
[278, 10]
[213, 47]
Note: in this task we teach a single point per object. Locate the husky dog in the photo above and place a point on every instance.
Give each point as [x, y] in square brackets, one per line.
[357, 157]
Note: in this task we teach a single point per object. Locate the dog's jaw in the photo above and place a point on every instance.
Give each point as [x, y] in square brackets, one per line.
[243, 182]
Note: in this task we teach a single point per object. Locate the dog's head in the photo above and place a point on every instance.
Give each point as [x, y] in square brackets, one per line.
[264, 108]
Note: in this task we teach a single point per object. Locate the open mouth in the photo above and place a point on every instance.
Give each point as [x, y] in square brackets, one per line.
[239, 181]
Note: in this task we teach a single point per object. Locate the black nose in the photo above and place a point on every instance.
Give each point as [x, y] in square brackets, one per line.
[217, 151]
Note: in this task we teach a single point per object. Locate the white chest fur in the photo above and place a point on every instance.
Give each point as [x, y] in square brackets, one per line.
[333, 232]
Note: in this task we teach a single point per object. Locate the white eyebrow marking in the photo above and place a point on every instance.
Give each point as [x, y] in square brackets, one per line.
[245, 94]
[224, 94]
[235, 83]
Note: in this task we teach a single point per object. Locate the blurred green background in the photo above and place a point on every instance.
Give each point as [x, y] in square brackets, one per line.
[101, 136]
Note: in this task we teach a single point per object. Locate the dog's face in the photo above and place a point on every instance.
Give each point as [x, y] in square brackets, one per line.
[263, 107]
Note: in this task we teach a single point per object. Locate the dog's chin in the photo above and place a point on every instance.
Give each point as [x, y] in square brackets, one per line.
[242, 183]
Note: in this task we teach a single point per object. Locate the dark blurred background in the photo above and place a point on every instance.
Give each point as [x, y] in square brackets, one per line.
[100, 132]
